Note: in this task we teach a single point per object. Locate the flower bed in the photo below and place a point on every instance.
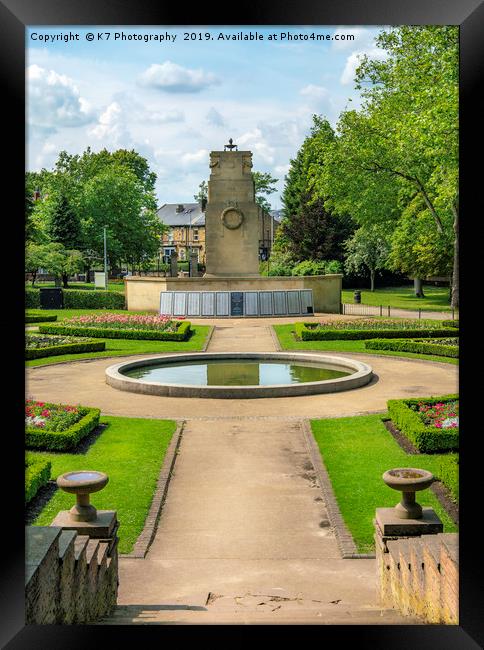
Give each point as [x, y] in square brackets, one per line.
[37, 346]
[57, 426]
[120, 326]
[441, 347]
[37, 474]
[431, 424]
[370, 329]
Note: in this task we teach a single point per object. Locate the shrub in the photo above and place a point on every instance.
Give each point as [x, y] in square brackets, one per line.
[38, 318]
[449, 474]
[81, 299]
[65, 348]
[317, 267]
[32, 298]
[310, 332]
[36, 438]
[416, 346]
[183, 332]
[37, 474]
[451, 323]
[427, 439]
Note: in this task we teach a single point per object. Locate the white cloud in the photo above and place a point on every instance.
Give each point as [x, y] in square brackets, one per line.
[54, 101]
[354, 60]
[173, 78]
[282, 170]
[110, 125]
[315, 92]
[196, 157]
[214, 118]
[163, 117]
[255, 141]
[363, 39]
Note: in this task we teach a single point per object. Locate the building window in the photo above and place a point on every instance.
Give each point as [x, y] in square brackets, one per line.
[195, 234]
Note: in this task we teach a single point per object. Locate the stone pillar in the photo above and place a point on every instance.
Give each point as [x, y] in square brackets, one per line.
[231, 216]
[174, 265]
[193, 264]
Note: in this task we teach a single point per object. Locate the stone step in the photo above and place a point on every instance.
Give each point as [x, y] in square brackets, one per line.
[66, 542]
[80, 545]
[431, 547]
[102, 555]
[276, 614]
[92, 550]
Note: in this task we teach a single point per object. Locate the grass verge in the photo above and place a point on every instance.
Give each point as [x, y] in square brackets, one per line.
[436, 298]
[285, 334]
[125, 347]
[356, 452]
[131, 452]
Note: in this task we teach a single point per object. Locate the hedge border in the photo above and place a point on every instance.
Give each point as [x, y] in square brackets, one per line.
[451, 323]
[326, 334]
[182, 334]
[427, 439]
[60, 440]
[37, 474]
[419, 347]
[81, 299]
[65, 348]
[40, 319]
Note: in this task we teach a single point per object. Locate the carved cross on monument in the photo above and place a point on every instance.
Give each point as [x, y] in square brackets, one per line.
[230, 146]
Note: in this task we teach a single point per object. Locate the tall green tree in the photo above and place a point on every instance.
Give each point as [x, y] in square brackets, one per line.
[264, 185]
[367, 252]
[309, 228]
[403, 143]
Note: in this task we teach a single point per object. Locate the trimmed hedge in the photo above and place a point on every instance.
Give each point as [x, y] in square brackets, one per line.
[449, 474]
[40, 319]
[36, 438]
[427, 439]
[182, 334]
[37, 474]
[419, 347]
[451, 323]
[65, 348]
[326, 334]
[81, 299]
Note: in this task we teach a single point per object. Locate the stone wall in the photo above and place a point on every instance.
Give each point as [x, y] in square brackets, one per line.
[420, 576]
[143, 293]
[70, 578]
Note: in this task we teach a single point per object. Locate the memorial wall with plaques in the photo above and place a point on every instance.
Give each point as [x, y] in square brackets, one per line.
[236, 304]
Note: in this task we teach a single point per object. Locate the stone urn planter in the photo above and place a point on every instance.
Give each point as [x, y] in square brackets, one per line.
[82, 483]
[408, 480]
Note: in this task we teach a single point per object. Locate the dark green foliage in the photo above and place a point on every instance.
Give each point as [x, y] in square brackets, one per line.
[449, 474]
[317, 267]
[39, 318]
[66, 348]
[451, 323]
[427, 439]
[182, 333]
[64, 224]
[37, 473]
[419, 347]
[311, 333]
[78, 299]
[36, 438]
[81, 299]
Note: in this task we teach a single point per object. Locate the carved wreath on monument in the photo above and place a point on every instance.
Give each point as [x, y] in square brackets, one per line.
[232, 218]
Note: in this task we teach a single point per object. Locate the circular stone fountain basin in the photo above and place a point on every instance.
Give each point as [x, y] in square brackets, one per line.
[239, 375]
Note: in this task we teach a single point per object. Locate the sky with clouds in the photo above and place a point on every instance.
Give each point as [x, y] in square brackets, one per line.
[175, 100]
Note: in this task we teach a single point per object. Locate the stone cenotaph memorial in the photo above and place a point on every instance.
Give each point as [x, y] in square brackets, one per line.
[231, 216]
[232, 286]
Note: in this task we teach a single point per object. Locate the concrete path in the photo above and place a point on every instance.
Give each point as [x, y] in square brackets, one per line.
[244, 537]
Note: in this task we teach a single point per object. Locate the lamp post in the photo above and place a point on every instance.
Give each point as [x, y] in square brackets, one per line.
[105, 261]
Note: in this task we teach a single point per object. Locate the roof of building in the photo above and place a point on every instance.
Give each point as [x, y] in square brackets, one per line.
[192, 214]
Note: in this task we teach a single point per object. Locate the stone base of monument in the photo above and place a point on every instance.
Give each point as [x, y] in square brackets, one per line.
[143, 293]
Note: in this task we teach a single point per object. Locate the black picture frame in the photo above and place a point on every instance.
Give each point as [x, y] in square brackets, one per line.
[15, 15]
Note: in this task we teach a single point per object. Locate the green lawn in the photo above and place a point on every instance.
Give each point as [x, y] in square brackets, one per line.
[112, 286]
[288, 342]
[125, 347]
[131, 452]
[356, 452]
[436, 298]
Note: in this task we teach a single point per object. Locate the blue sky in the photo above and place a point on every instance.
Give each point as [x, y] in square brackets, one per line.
[175, 100]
